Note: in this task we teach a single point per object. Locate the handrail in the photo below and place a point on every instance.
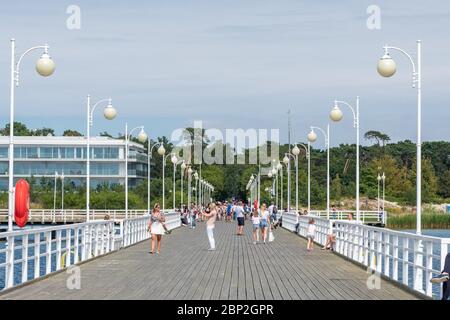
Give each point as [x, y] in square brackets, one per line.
[56, 247]
[402, 257]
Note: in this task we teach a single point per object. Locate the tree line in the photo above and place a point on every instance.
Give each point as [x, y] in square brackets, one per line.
[397, 160]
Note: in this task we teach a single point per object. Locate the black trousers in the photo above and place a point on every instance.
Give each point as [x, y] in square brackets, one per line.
[445, 285]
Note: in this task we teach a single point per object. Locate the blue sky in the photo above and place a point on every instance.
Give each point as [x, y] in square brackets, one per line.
[232, 64]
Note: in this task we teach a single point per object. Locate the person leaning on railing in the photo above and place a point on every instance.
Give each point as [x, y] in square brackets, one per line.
[443, 278]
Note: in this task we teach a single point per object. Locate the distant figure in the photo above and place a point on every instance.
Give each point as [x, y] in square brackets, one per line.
[229, 206]
[310, 234]
[333, 212]
[305, 212]
[264, 223]
[255, 222]
[210, 214]
[192, 214]
[443, 278]
[156, 228]
[106, 217]
[239, 212]
[350, 217]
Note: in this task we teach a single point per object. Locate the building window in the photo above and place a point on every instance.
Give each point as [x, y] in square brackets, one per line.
[46, 152]
[79, 153]
[32, 153]
[3, 168]
[4, 152]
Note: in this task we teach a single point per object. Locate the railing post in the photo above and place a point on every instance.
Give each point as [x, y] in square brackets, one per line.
[68, 247]
[379, 251]
[387, 251]
[48, 252]
[24, 258]
[37, 255]
[366, 247]
[58, 249]
[76, 243]
[88, 236]
[428, 268]
[9, 271]
[405, 260]
[395, 258]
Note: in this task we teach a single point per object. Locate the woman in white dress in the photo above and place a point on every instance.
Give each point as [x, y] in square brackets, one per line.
[156, 228]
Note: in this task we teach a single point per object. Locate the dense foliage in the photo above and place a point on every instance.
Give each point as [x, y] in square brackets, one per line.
[396, 160]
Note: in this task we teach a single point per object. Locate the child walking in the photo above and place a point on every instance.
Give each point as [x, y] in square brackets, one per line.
[310, 234]
[255, 221]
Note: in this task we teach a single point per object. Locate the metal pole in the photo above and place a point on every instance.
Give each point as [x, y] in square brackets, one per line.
[296, 184]
[126, 170]
[309, 176]
[148, 175]
[62, 192]
[289, 183]
[88, 164]
[182, 178]
[419, 139]
[163, 184]
[357, 160]
[276, 189]
[54, 196]
[259, 185]
[11, 141]
[378, 197]
[174, 169]
[328, 171]
[281, 191]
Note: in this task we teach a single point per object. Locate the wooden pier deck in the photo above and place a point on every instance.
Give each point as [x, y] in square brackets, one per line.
[236, 270]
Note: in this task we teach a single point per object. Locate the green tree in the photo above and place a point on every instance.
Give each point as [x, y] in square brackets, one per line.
[71, 133]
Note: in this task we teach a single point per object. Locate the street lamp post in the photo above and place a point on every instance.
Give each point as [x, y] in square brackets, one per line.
[312, 137]
[336, 115]
[54, 195]
[142, 137]
[174, 161]
[287, 162]
[383, 178]
[280, 168]
[149, 166]
[183, 167]
[109, 113]
[45, 67]
[378, 197]
[386, 68]
[296, 152]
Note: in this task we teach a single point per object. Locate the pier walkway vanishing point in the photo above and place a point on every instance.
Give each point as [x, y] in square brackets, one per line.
[238, 269]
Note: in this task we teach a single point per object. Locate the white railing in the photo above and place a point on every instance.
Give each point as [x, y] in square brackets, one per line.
[134, 230]
[29, 254]
[76, 215]
[406, 258]
[366, 216]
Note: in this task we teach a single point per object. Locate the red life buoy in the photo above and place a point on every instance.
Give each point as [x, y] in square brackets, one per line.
[22, 203]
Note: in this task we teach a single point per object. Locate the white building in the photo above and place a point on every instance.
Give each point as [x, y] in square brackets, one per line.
[40, 157]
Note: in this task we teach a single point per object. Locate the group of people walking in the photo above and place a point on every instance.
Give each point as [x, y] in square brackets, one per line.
[263, 220]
